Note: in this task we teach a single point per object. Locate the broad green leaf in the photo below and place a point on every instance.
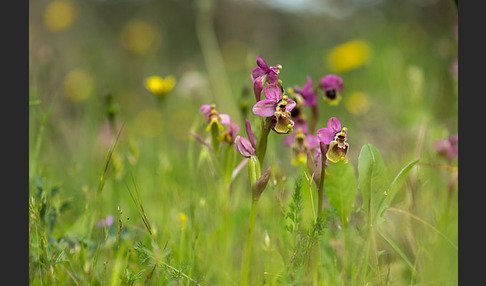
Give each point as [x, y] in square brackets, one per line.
[372, 181]
[340, 189]
[399, 178]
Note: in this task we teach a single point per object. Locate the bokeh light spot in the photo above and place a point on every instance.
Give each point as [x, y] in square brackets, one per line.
[78, 85]
[149, 123]
[357, 103]
[139, 37]
[234, 55]
[59, 16]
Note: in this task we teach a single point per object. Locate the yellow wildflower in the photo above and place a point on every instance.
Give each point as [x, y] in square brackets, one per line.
[160, 86]
[348, 56]
[183, 219]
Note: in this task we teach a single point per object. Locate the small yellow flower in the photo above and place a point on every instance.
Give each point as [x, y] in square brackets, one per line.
[59, 15]
[160, 86]
[183, 219]
[348, 56]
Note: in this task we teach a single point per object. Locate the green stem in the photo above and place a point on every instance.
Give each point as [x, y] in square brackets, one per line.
[246, 261]
[214, 139]
[320, 190]
[262, 144]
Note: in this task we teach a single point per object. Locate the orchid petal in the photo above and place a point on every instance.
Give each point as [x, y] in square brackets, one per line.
[326, 135]
[250, 134]
[258, 87]
[272, 91]
[225, 119]
[308, 86]
[265, 107]
[256, 73]
[334, 124]
[262, 64]
[289, 139]
[330, 82]
[310, 98]
[312, 141]
[205, 109]
[272, 77]
[290, 104]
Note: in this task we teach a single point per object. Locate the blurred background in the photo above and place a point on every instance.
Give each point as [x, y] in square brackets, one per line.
[398, 60]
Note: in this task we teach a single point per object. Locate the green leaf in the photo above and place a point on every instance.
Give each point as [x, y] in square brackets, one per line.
[372, 181]
[397, 182]
[340, 189]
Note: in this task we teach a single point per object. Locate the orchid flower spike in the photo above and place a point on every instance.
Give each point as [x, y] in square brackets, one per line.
[332, 86]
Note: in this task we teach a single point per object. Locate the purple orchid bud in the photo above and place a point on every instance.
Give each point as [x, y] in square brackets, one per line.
[244, 147]
[263, 70]
[258, 87]
[250, 134]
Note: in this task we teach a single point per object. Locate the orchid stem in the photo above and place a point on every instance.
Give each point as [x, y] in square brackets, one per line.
[262, 144]
[246, 261]
[320, 190]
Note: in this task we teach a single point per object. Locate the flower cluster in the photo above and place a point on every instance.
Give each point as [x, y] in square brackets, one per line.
[283, 111]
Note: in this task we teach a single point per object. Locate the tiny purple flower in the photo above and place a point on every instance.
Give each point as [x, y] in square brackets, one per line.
[332, 86]
[105, 222]
[214, 117]
[244, 146]
[448, 147]
[326, 135]
[310, 98]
